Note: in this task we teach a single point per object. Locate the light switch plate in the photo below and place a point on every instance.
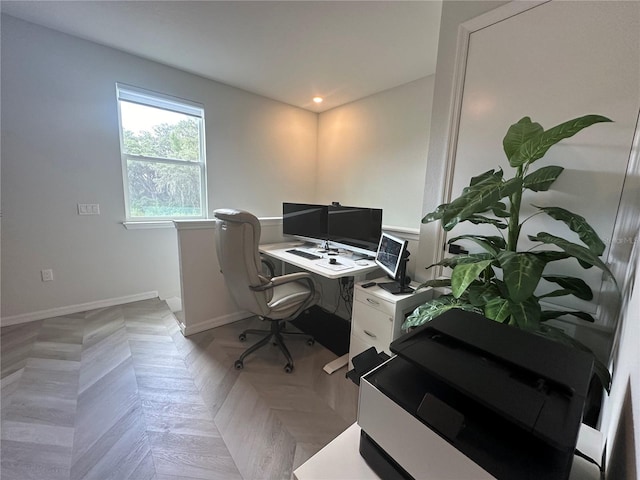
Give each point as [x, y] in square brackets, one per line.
[88, 209]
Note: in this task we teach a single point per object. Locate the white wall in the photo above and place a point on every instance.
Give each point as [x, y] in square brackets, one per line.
[453, 14]
[60, 147]
[621, 409]
[373, 152]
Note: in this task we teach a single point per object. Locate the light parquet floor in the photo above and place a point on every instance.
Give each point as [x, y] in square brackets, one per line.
[120, 393]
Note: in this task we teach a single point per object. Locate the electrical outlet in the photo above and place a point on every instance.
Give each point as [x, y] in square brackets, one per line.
[47, 275]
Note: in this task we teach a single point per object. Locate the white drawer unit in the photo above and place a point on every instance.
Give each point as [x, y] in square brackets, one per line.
[378, 315]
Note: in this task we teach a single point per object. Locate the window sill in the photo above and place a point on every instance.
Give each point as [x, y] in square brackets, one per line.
[148, 225]
[199, 223]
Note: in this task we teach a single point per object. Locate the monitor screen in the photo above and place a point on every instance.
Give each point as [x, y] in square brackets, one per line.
[389, 255]
[356, 228]
[305, 220]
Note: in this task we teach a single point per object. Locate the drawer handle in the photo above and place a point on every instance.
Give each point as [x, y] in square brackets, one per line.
[370, 300]
[370, 334]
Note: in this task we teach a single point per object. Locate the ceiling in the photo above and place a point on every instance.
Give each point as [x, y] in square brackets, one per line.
[285, 50]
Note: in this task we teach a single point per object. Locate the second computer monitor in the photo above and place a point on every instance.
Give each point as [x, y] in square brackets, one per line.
[356, 228]
[392, 256]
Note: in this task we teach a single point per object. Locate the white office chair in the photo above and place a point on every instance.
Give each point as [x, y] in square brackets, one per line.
[275, 299]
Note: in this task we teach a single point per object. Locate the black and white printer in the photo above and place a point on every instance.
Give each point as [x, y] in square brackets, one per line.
[469, 398]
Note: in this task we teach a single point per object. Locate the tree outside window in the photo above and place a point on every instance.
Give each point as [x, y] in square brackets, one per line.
[162, 155]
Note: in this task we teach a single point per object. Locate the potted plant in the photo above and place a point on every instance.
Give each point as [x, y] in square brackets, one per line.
[501, 282]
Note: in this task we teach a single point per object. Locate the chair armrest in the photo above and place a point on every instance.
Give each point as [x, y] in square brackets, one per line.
[288, 278]
[270, 266]
[291, 277]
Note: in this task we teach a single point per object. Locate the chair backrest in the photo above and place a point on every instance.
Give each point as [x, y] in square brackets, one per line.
[237, 239]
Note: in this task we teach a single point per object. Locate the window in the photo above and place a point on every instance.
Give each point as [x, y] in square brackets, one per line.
[163, 156]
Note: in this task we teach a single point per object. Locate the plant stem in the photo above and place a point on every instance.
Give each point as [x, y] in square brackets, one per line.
[514, 218]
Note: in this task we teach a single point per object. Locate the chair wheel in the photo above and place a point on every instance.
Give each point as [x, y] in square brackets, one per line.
[242, 337]
[288, 368]
[239, 365]
[311, 342]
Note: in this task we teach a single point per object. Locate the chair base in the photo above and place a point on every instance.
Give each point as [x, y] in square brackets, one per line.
[274, 335]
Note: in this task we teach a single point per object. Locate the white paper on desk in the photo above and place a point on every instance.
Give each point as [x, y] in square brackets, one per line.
[332, 266]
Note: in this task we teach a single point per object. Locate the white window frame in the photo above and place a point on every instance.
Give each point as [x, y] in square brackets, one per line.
[150, 98]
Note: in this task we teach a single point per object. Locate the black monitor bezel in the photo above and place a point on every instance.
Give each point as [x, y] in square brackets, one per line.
[319, 235]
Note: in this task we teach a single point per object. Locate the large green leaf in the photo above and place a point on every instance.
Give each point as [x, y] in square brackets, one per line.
[483, 176]
[550, 255]
[500, 210]
[582, 254]
[519, 133]
[551, 314]
[478, 199]
[480, 294]
[497, 309]
[526, 315]
[537, 146]
[502, 288]
[480, 186]
[576, 286]
[479, 219]
[485, 181]
[522, 273]
[463, 275]
[436, 214]
[430, 310]
[556, 293]
[577, 224]
[436, 283]
[542, 179]
[490, 243]
[460, 259]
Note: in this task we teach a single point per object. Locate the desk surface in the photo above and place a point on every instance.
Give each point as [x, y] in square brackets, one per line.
[347, 265]
[341, 460]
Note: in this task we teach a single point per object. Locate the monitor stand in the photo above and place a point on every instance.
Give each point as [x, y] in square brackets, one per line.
[401, 286]
[396, 288]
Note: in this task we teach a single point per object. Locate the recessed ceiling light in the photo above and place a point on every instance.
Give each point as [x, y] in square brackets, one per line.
[317, 99]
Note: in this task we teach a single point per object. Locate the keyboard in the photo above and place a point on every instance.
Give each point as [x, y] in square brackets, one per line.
[307, 255]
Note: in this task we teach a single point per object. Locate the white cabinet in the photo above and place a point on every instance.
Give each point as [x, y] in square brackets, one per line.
[378, 315]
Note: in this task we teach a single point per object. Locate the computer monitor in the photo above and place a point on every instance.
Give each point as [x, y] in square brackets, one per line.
[355, 228]
[392, 256]
[305, 220]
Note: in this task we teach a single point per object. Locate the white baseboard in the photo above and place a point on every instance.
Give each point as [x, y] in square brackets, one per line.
[212, 323]
[69, 309]
[175, 303]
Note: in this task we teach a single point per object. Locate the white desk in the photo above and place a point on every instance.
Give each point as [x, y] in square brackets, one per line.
[347, 265]
[341, 459]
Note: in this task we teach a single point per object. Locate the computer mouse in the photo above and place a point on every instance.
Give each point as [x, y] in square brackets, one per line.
[332, 261]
